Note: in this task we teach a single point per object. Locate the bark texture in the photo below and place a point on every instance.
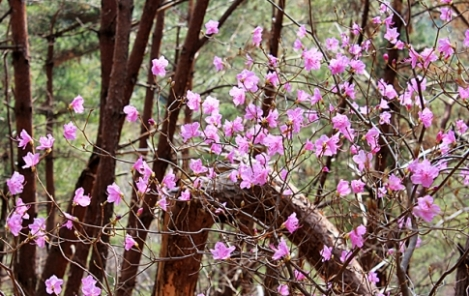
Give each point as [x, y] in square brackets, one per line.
[23, 113]
[315, 231]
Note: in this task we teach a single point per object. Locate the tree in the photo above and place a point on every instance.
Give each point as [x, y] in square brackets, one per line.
[309, 158]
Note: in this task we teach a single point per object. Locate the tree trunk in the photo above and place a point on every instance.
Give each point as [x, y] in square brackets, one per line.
[127, 278]
[23, 113]
[62, 251]
[315, 231]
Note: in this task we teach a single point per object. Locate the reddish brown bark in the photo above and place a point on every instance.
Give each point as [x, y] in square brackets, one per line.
[462, 273]
[112, 114]
[61, 251]
[127, 278]
[23, 112]
[315, 231]
[273, 45]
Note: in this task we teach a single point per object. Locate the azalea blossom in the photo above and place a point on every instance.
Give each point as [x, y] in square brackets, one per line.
[218, 63]
[159, 66]
[131, 113]
[115, 194]
[281, 251]
[426, 209]
[54, 285]
[312, 59]
[46, 143]
[70, 131]
[373, 277]
[257, 36]
[30, 160]
[356, 236]
[211, 27]
[343, 188]
[129, 242]
[283, 290]
[88, 286]
[190, 130]
[326, 253]
[77, 104]
[80, 198]
[24, 139]
[291, 224]
[221, 251]
[424, 173]
[193, 100]
[15, 183]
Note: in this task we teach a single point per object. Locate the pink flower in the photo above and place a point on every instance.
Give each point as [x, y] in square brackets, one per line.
[238, 95]
[80, 198]
[211, 27]
[114, 193]
[445, 47]
[345, 255]
[142, 185]
[338, 65]
[301, 33]
[357, 186]
[426, 117]
[54, 285]
[291, 224]
[70, 219]
[185, 195]
[461, 127]
[372, 137]
[88, 286]
[129, 242]
[46, 142]
[343, 188]
[373, 277]
[274, 145]
[70, 131]
[190, 130]
[163, 203]
[385, 118]
[14, 224]
[77, 105]
[233, 127]
[387, 90]
[247, 80]
[281, 251]
[272, 78]
[391, 35]
[283, 290]
[30, 160]
[21, 209]
[253, 112]
[15, 183]
[169, 180]
[131, 112]
[197, 167]
[394, 183]
[193, 100]
[312, 59]
[357, 66]
[257, 36]
[426, 209]
[299, 276]
[210, 105]
[446, 14]
[424, 174]
[332, 44]
[159, 67]
[38, 230]
[218, 63]
[463, 92]
[356, 236]
[143, 168]
[326, 146]
[326, 253]
[24, 139]
[221, 251]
